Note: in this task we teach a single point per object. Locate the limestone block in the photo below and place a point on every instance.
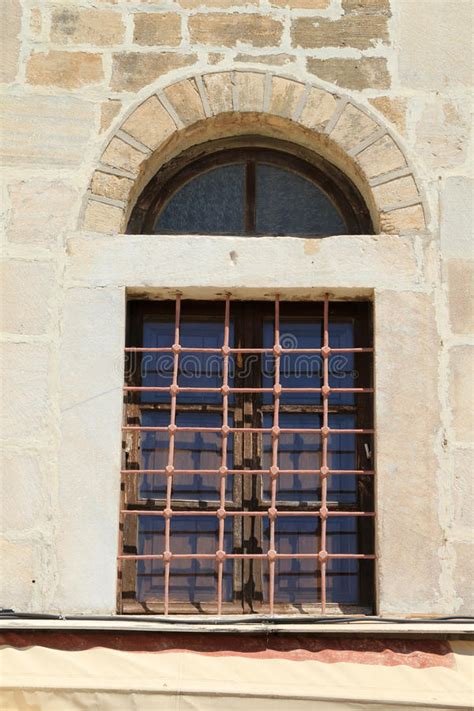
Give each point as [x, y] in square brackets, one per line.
[278, 60]
[407, 423]
[352, 127]
[36, 21]
[51, 130]
[393, 109]
[358, 31]
[461, 392]
[24, 374]
[285, 96]
[98, 27]
[443, 133]
[438, 62]
[363, 73]
[133, 70]
[463, 493]
[25, 296]
[230, 30]
[395, 191]
[111, 186]
[405, 219]
[109, 110]
[185, 99]
[464, 575]
[22, 493]
[100, 217]
[381, 157]
[150, 123]
[19, 568]
[10, 27]
[250, 89]
[457, 201]
[219, 92]
[68, 70]
[92, 367]
[153, 29]
[40, 211]
[366, 6]
[460, 273]
[302, 4]
[318, 109]
[119, 154]
[191, 4]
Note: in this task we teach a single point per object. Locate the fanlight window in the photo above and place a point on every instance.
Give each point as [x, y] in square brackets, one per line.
[251, 192]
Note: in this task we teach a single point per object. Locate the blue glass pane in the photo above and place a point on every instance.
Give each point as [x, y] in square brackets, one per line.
[211, 203]
[191, 580]
[289, 204]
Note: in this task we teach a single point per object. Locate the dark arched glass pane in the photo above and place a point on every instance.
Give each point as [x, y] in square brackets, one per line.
[288, 204]
[210, 203]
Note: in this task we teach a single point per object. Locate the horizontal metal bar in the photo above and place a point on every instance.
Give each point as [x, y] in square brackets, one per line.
[281, 556]
[169, 514]
[263, 430]
[355, 472]
[183, 349]
[230, 391]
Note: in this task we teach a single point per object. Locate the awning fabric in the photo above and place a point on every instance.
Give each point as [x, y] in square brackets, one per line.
[62, 672]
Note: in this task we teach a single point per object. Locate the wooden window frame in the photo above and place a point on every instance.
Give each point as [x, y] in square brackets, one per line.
[248, 411]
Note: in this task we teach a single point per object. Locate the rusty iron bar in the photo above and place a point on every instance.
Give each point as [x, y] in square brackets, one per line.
[324, 450]
[225, 438]
[248, 556]
[174, 390]
[168, 513]
[328, 431]
[183, 349]
[298, 472]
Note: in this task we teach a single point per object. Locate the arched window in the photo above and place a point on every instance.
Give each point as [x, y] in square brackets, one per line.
[248, 473]
[250, 191]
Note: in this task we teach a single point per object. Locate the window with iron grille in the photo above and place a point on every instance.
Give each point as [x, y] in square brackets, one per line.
[247, 483]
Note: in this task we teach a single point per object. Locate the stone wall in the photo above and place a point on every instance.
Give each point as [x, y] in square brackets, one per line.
[73, 74]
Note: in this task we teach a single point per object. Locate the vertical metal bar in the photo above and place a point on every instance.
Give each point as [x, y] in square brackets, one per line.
[324, 451]
[220, 553]
[272, 513]
[170, 465]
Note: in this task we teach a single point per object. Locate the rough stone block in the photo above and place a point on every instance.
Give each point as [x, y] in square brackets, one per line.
[318, 109]
[25, 295]
[395, 191]
[437, 62]
[19, 570]
[363, 73]
[463, 493]
[10, 28]
[100, 217]
[358, 31]
[250, 88]
[443, 133]
[22, 493]
[393, 109]
[121, 155]
[366, 6]
[109, 110]
[186, 101]
[219, 92]
[457, 200]
[464, 575]
[191, 4]
[150, 123]
[98, 27]
[229, 30]
[403, 220]
[461, 392]
[352, 127]
[151, 29]
[111, 186]
[460, 273]
[285, 96]
[40, 211]
[52, 130]
[24, 387]
[302, 4]
[381, 157]
[68, 70]
[133, 70]
[277, 60]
